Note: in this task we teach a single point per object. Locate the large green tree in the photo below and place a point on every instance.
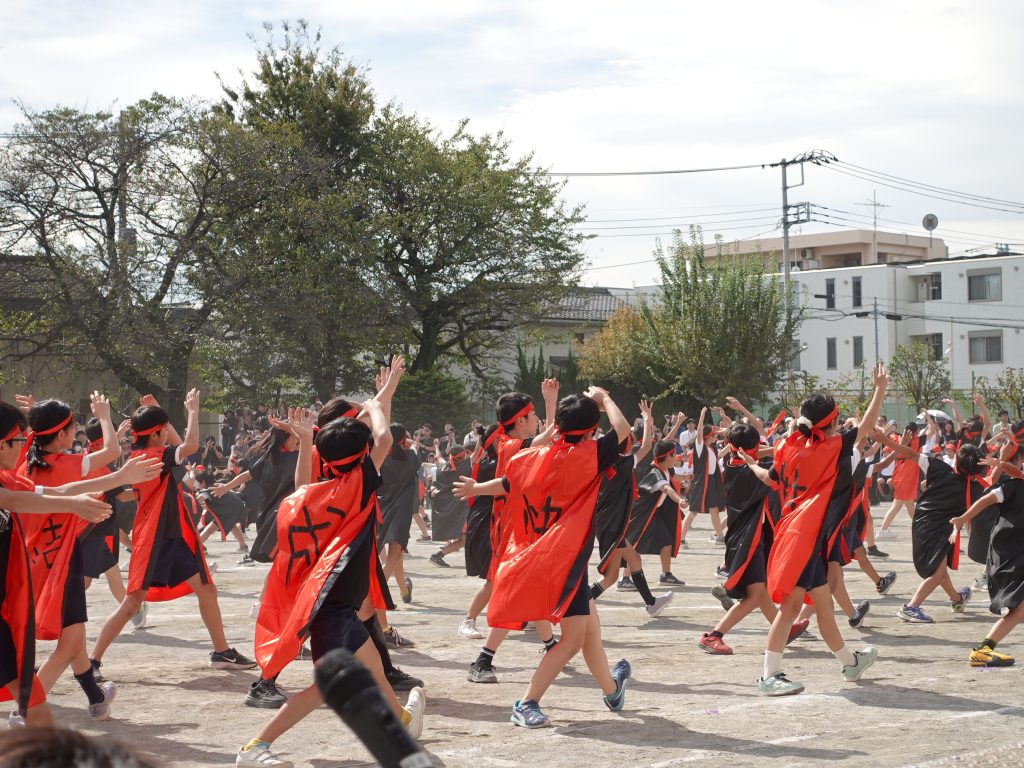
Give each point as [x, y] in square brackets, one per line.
[714, 330]
[923, 379]
[108, 222]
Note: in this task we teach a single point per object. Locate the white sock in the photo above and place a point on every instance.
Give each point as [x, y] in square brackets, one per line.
[772, 663]
[845, 656]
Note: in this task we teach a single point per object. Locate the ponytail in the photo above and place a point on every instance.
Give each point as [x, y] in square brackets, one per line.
[46, 420]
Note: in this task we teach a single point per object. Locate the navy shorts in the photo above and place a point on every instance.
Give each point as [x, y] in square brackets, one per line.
[755, 573]
[815, 573]
[175, 563]
[336, 626]
[73, 611]
[580, 605]
[8, 655]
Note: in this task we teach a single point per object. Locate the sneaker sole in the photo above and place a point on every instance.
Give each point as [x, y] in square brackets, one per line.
[231, 665]
[990, 664]
[262, 704]
[712, 652]
[521, 724]
[912, 620]
[773, 694]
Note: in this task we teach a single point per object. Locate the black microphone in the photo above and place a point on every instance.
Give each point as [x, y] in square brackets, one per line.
[350, 690]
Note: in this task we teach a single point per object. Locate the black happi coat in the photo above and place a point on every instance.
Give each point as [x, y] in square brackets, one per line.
[479, 522]
[614, 502]
[1005, 566]
[746, 512]
[448, 512]
[947, 494]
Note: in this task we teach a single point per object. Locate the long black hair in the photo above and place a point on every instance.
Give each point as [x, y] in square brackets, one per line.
[269, 446]
[43, 417]
[815, 408]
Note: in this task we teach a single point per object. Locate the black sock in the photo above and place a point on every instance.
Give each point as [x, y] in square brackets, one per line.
[486, 657]
[550, 643]
[595, 590]
[88, 683]
[641, 586]
[376, 633]
[715, 633]
[989, 642]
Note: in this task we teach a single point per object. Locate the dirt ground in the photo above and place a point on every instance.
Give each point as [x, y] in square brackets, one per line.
[919, 705]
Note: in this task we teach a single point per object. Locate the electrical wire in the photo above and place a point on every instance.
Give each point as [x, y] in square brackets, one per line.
[654, 173]
[932, 187]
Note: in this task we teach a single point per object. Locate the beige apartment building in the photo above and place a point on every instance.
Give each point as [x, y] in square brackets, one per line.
[832, 250]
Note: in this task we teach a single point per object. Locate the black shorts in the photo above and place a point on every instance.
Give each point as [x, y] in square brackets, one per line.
[73, 610]
[8, 655]
[125, 513]
[175, 563]
[755, 573]
[336, 626]
[580, 605]
[815, 573]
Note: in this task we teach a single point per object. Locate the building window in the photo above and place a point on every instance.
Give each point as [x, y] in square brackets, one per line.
[830, 293]
[985, 285]
[986, 346]
[830, 354]
[858, 351]
[881, 258]
[934, 343]
[934, 287]
[857, 292]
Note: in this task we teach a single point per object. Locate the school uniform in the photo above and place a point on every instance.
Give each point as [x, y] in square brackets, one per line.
[398, 498]
[614, 502]
[479, 521]
[448, 512]
[746, 511]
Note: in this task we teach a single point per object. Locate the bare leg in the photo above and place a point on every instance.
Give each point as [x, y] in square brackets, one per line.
[126, 540]
[716, 521]
[418, 519]
[788, 611]
[1003, 626]
[633, 560]
[939, 578]
[865, 564]
[239, 537]
[395, 565]
[574, 631]
[767, 606]
[869, 528]
[825, 613]
[666, 559]
[207, 532]
[453, 546]
[688, 519]
[612, 569]
[115, 622]
[479, 600]
[837, 584]
[70, 650]
[806, 611]
[894, 509]
[754, 598]
[39, 715]
[594, 655]
[209, 610]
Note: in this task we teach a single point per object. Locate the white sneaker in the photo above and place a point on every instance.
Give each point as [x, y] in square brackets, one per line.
[713, 538]
[14, 720]
[416, 706]
[101, 711]
[126, 565]
[212, 567]
[254, 611]
[139, 619]
[468, 629]
[885, 534]
[260, 755]
[659, 604]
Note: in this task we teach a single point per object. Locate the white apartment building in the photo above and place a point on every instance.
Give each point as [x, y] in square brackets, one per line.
[968, 310]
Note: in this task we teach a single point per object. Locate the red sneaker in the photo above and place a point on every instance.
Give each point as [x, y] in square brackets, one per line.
[714, 645]
[797, 629]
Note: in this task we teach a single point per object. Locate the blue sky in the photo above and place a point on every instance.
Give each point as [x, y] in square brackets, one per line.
[922, 90]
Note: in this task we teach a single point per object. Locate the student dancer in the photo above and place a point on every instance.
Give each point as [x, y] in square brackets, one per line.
[808, 463]
[1005, 566]
[53, 542]
[448, 513]
[398, 499]
[167, 558]
[322, 574]
[612, 520]
[655, 525]
[19, 495]
[948, 492]
[272, 467]
[519, 423]
[906, 482]
[552, 492]
[484, 461]
[706, 490]
[100, 544]
[746, 491]
[225, 512]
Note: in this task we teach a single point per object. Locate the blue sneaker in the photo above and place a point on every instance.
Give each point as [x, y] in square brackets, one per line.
[620, 674]
[527, 714]
[914, 614]
[957, 606]
[626, 585]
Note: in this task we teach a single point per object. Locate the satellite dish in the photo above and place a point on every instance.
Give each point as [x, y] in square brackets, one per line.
[930, 221]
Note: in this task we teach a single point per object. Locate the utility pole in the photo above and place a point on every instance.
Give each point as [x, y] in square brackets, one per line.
[874, 205]
[798, 213]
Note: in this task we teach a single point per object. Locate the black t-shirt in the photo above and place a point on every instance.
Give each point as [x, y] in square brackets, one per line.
[276, 479]
[6, 542]
[354, 583]
[230, 503]
[744, 490]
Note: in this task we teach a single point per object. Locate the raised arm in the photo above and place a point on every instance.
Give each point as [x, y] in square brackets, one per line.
[605, 403]
[881, 381]
[699, 438]
[753, 420]
[240, 479]
[466, 487]
[958, 418]
[648, 438]
[898, 448]
[110, 452]
[986, 421]
[549, 390]
[135, 471]
[380, 431]
[301, 422]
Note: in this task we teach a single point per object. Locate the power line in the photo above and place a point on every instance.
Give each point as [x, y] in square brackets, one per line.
[681, 216]
[762, 219]
[654, 173]
[910, 182]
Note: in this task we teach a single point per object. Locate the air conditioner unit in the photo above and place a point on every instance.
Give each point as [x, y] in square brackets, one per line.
[811, 263]
[805, 253]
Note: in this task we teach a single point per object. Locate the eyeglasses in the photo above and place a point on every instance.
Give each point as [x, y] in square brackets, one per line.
[14, 440]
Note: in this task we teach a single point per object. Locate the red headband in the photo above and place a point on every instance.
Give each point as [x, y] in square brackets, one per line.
[150, 431]
[338, 463]
[15, 431]
[818, 430]
[525, 410]
[50, 431]
[94, 445]
[574, 432]
[671, 450]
